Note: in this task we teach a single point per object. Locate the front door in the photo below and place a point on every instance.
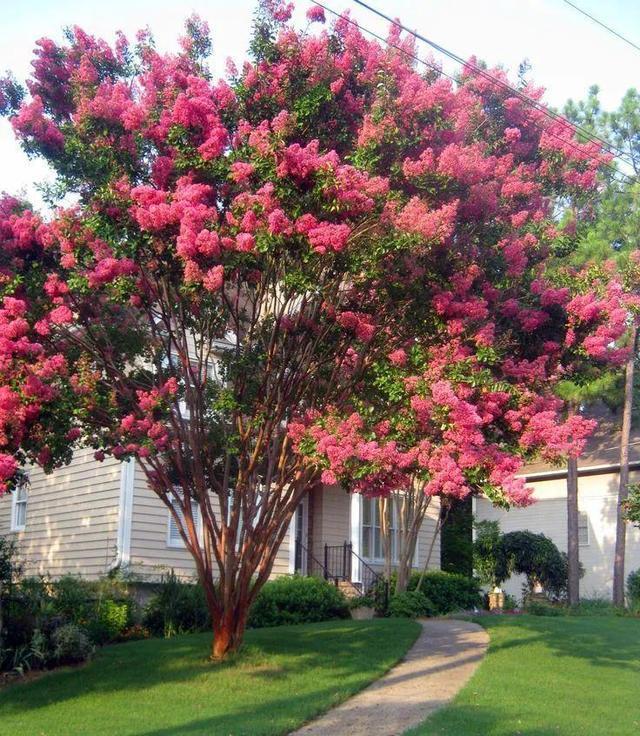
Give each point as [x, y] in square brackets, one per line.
[302, 537]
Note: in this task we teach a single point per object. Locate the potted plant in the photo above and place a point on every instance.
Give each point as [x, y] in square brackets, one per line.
[362, 607]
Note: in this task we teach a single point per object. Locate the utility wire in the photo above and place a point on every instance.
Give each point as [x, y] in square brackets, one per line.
[602, 25]
[452, 78]
[617, 152]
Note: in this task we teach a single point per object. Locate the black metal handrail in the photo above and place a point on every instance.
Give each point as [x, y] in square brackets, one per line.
[337, 566]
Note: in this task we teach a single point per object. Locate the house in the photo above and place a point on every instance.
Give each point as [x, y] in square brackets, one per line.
[598, 478]
[90, 517]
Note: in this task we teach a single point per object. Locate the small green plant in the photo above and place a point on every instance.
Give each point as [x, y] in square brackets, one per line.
[70, 644]
[295, 600]
[510, 602]
[108, 622]
[179, 607]
[411, 604]
[362, 601]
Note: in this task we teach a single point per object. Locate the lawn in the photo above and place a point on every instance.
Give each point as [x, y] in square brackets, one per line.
[284, 676]
[569, 676]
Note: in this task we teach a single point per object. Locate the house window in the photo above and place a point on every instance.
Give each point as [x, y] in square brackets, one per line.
[19, 508]
[583, 530]
[371, 544]
[172, 361]
[173, 533]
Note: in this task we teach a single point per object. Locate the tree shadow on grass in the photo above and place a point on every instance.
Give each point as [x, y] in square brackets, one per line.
[605, 641]
[475, 720]
[345, 650]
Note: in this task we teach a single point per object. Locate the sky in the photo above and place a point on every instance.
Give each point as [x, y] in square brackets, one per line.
[567, 52]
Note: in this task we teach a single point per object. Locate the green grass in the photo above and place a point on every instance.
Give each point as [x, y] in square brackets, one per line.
[283, 677]
[568, 676]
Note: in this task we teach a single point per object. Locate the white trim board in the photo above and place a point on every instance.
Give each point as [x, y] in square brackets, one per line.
[127, 473]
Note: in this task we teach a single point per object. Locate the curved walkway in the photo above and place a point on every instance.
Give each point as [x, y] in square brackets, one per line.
[444, 657]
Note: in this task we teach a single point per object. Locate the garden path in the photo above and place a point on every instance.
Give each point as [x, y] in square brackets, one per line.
[441, 661]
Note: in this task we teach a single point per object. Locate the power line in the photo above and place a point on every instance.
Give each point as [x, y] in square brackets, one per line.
[617, 152]
[438, 69]
[602, 25]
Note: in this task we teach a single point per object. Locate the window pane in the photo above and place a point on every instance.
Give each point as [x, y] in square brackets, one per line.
[21, 513]
[583, 530]
[366, 546]
[21, 492]
[378, 543]
[366, 511]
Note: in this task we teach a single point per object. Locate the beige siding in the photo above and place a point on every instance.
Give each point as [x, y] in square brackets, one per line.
[150, 552]
[331, 519]
[597, 498]
[72, 518]
[425, 539]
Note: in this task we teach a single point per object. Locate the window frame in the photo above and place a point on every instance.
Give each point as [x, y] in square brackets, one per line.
[584, 515]
[371, 529]
[22, 502]
[178, 542]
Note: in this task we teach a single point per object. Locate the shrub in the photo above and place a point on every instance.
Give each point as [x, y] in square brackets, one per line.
[448, 591]
[537, 608]
[411, 604]
[109, 621]
[296, 600]
[72, 598]
[486, 552]
[178, 608]
[510, 602]
[70, 644]
[536, 557]
[595, 607]
[633, 590]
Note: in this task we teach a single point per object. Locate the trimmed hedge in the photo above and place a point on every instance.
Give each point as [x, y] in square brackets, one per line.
[297, 600]
[448, 591]
[411, 604]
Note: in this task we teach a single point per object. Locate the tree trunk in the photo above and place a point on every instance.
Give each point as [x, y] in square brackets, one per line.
[403, 576]
[623, 488]
[384, 511]
[573, 554]
[228, 632]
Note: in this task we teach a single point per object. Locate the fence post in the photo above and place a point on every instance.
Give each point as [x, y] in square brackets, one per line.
[349, 559]
[326, 562]
[344, 561]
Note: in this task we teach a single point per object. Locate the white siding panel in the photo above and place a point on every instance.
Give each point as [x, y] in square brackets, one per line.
[72, 518]
[151, 556]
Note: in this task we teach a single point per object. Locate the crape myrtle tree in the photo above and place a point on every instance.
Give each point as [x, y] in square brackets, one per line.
[253, 268]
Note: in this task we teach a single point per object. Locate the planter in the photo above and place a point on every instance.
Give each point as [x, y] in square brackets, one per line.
[362, 613]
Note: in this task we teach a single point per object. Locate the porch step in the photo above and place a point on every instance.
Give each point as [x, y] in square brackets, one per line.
[349, 589]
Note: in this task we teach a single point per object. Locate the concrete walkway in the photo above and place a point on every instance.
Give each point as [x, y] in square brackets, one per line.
[444, 657]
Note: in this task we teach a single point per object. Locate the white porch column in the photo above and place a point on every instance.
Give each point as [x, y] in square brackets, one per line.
[292, 542]
[125, 510]
[356, 536]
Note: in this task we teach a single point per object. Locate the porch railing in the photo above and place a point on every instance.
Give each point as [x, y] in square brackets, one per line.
[339, 563]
